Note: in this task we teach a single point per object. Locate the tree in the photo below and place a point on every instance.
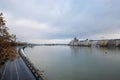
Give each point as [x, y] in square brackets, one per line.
[7, 51]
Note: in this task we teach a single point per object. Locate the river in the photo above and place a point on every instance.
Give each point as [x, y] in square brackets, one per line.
[76, 63]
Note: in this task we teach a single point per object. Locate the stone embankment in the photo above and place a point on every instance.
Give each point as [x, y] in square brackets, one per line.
[36, 72]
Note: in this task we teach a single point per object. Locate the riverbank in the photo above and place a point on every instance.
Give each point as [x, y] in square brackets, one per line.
[36, 72]
[22, 67]
[98, 43]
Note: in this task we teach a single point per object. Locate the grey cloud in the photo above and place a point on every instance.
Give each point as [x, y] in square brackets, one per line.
[64, 19]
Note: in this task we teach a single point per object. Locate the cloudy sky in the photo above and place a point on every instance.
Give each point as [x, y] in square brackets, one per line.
[53, 21]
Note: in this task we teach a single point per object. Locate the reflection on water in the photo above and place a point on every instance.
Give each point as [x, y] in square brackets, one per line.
[76, 63]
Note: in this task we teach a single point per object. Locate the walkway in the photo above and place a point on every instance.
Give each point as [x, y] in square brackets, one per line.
[17, 70]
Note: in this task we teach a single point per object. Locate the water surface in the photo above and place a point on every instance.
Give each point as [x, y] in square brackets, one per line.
[76, 63]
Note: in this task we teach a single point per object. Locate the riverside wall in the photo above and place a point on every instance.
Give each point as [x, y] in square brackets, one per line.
[36, 72]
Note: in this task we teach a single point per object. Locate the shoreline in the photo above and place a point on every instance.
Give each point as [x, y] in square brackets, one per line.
[36, 72]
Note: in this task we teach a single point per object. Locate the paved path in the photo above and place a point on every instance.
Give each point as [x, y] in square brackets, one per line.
[17, 70]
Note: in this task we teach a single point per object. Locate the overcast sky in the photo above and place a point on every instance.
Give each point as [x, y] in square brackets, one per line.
[53, 21]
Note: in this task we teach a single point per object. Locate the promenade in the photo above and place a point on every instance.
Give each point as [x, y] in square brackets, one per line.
[17, 70]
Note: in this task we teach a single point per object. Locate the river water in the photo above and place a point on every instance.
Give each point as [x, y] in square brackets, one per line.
[76, 63]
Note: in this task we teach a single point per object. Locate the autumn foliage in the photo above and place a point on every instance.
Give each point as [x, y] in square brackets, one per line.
[7, 50]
